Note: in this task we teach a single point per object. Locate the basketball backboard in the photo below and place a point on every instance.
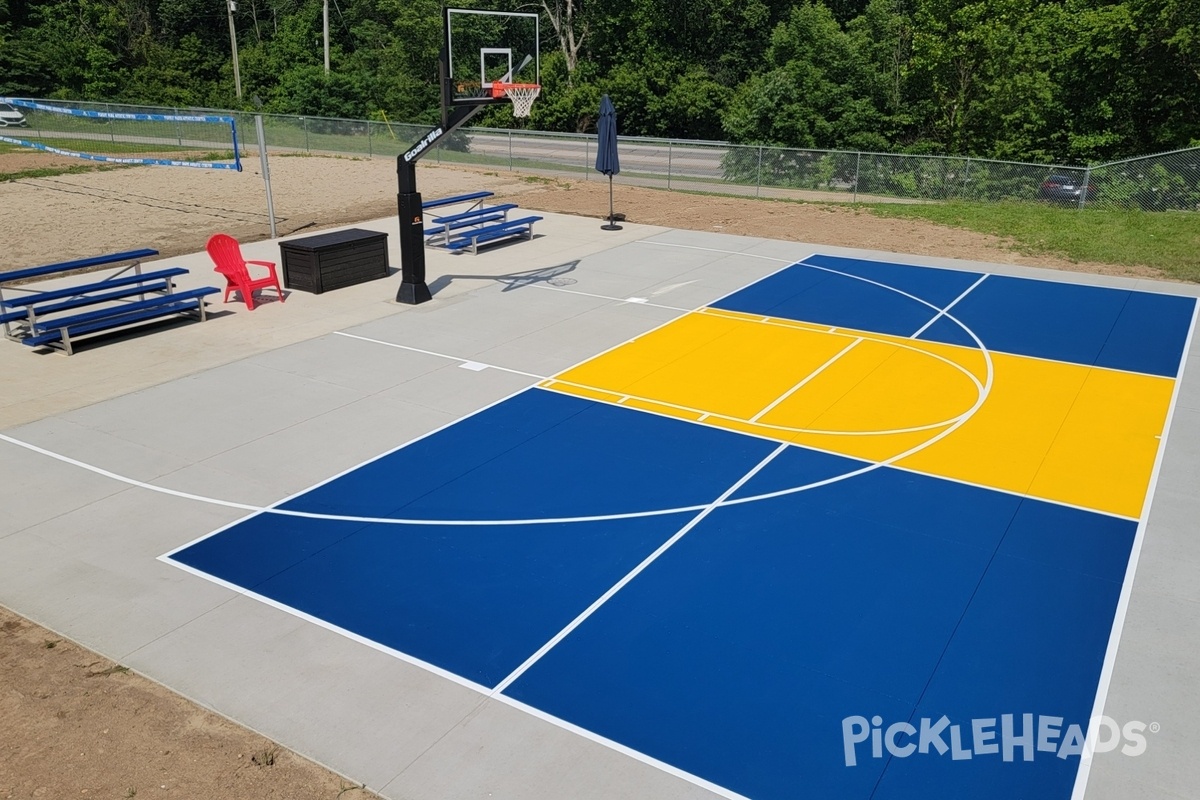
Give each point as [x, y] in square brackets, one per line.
[487, 46]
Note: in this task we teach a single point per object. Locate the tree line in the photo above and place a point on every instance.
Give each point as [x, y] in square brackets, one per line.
[1069, 81]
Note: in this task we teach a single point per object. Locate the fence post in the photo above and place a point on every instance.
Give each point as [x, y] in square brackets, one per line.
[305, 121]
[857, 170]
[758, 173]
[266, 172]
[510, 163]
[668, 165]
[587, 157]
[1087, 178]
[966, 172]
[370, 151]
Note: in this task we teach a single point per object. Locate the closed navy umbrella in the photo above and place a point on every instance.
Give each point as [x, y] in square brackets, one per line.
[607, 161]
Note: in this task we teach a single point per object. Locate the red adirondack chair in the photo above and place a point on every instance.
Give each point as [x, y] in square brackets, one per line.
[227, 255]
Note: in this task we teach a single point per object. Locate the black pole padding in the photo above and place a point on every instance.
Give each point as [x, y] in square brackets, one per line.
[413, 289]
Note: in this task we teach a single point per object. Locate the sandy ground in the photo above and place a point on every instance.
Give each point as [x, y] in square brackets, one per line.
[78, 726]
[175, 210]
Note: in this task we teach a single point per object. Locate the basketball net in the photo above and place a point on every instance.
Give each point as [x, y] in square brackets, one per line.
[522, 95]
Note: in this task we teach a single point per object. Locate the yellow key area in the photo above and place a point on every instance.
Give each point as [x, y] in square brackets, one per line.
[1063, 432]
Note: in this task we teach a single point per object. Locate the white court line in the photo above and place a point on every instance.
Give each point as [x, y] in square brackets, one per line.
[620, 748]
[953, 303]
[633, 573]
[466, 362]
[807, 378]
[639, 301]
[1114, 638]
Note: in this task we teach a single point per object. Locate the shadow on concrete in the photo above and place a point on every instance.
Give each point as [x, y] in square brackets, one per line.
[513, 280]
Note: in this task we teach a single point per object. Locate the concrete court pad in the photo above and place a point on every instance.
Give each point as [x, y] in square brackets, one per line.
[305, 391]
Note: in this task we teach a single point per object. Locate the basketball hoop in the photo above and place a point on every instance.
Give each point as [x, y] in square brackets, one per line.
[522, 95]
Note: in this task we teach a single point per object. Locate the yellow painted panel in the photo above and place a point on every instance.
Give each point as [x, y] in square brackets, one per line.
[1004, 443]
[1059, 431]
[617, 369]
[711, 363]
[743, 371]
[1105, 451]
[971, 358]
[881, 387]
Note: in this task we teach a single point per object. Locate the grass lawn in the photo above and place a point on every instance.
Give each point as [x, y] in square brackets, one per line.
[1169, 240]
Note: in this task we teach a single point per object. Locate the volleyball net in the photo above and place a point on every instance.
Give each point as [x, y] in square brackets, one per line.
[175, 140]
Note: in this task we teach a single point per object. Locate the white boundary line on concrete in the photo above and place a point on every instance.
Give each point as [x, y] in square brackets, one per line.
[1118, 626]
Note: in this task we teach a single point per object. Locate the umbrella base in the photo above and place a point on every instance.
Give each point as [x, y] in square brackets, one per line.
[611, 227]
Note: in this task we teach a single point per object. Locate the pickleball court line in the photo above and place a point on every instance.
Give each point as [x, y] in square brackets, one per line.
[805, 380]
[633, 573]
[953, 303]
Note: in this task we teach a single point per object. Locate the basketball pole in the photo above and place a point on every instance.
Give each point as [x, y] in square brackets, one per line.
[413, 289]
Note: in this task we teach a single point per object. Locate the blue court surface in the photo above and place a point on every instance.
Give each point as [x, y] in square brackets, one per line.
[771, 620]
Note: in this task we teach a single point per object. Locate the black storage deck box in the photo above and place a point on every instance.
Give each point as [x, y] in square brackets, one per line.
[332, 260]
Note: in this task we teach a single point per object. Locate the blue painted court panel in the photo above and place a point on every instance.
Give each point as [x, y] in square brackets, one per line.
[846, 293]
[737, 655]
[1114, 328]
[543, 454]
[477, 600]
[1032, 642]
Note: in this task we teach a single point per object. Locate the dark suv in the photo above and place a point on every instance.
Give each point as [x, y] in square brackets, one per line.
[1062, 188]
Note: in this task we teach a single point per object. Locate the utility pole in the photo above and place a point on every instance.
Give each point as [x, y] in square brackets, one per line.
[326, 37]
[230, 7]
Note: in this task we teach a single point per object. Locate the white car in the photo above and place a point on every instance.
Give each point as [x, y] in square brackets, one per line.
[10, 117]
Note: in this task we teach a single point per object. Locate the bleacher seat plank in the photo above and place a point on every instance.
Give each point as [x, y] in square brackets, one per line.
[87, 300]
[80, 263]
[466, 215]
[464, 223]
[449, 201]
[71, 291]
[64, 328]
[514, 227]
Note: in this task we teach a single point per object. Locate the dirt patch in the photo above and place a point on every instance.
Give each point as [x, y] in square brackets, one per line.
[816, 223]
[175, 210]
[77, 725]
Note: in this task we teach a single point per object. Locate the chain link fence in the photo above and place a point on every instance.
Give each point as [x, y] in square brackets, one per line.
[1166, 181]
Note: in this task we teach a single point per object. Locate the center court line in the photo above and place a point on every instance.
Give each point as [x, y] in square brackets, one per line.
[807, 378]
[650, 559]
[953, 303]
